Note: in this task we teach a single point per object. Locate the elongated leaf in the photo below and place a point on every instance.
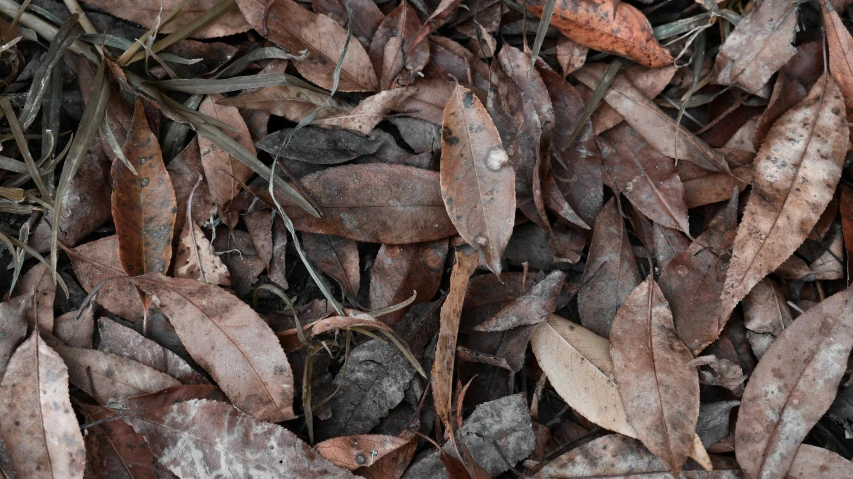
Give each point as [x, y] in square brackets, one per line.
[295, 29]
[612, 27]
[37, 424]
[840, 46]
[360, 450]
[143, 204]
[230, 341]
[291, 102]
[815, 463]
[146, 14]
[195, 259]
[254, 448]
[364, 118]
[477, 181]
[364, 17]
[337, 257]
[794, 178]
[395, 60]
[658, 388]
[793, 386]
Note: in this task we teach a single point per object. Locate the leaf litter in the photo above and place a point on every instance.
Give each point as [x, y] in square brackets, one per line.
[567, 238]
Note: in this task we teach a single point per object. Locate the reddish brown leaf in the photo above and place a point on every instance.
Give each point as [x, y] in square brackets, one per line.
[404, 207]
[845, 205]
[570, 55]
[644, 176]
[396, 62]
[668, 243]
[337, 257]
[765, 314]
[477, 182]
[230, 341]
[292, 102]
[611, 272]
[185, 170]
[840, 49]
[364, 118]
[703, 187]
[612, 27]
[143, 205]
[195, 258]
[531, 308]
[400, 270]
[658, 388]
[429, 100]
[364, 19]
[74, 332]
[796, 172]
[98, 260]
[38, 284]
[449, 59]
[815, 463]
[360, 450]
[150, 14]
[793, 386]
[759, 45]
[38, 426]
[295, 29]
[254, 448]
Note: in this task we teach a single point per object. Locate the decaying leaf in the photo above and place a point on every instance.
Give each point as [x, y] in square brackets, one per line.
[765, 314]
[244, 445]
[360, 450]
[149, 14]
[840, 46]
[364, 118]
[37, 425]
[793, 386]
[337, 257]
[230, 341]
[144, 205]
[477, 181]
[13, 329]
[794, 178]
[195, 259]
[531, 308]
[816, 463]
[395, 59]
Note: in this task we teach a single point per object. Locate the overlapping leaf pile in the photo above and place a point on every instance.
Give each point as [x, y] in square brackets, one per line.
[395, 239]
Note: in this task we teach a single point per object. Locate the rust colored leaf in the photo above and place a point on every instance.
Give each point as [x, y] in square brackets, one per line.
[611, 272]
[477, 181]
[404, 207]
[759, 45]
[108, 377]
[38, 426]
[812, 462]
[658, 388]
[243, 443]
[291, 102]
[194, 257]
[337, 257]
[445, 355]
[793, 386]
[659, 129]
[795, 175]
[360, 450]
[400, 270]
[644, 176]
[148, 14]
[143, 205]
[612, 27]
[840, 49]
[693, 281]
[230, 341]
[531, 308]
[223, 172]
[398, 62]
[127, 343]
[364, 118]
[295, 29]
[98, 260]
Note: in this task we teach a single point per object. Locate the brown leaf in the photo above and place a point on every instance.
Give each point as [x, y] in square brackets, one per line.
[845, 206]
[477, 182]
[815, 463]
[404, 207]
[292, 102]
[428, 102]
[796, 172]
[150, 14]
[659, 129]
[793, 386]
[570, 55]
[611, 272]
[612, 27]
[445, 355]
[364, 19]
[39, 285]
[243, 443]
[393, 464]
[143, 205]
[230, 341]
[364, 118]
[658, 388]
[644, 176]
[98, 260]
[399, 270]
[766, 314]
[185, 170]
[223, 172]
[398, 63]
[38, 426]
[531, 308]
[758, 46]
[195, 257]
[668, 243]
[13, 329]
[295, 29]
[449, 59]
[618, 457]
[360, 450]
[840, 46]
[650, 81]
[693, 281]
[127, 343]
[703, 187]
[75, 332]
[240, 256]
[337, 257]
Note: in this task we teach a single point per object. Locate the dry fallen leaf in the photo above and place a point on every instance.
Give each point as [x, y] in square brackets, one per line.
[364, 117]
[360, 450]
[815, 463]
[337, 257]
[195, 259]
[477, 180]
[795, 175]
[150, 14]
[37, 424]
[793, 386]
[396, 61]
